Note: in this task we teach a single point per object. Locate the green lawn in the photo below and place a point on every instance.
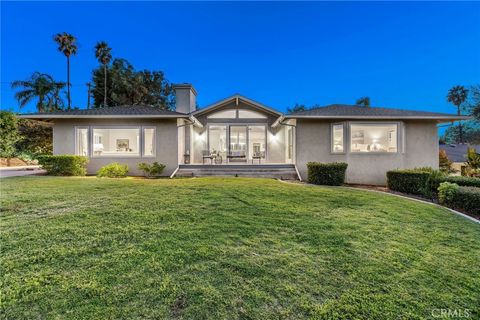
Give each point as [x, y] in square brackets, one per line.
[228, 248]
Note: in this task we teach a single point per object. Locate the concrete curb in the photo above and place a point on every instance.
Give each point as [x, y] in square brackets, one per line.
[33, 167]
[390, 194]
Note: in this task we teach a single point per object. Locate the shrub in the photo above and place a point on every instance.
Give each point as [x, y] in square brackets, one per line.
[460, 180]
[411, 181]
[332, 174]
[433, 182]
[37, 137]
[8, 134]
[446, 192]
[466, 199]
[113, 170]
[473, 163]
[64, 165]
[151, 170]
[444, 163]
[27, 157]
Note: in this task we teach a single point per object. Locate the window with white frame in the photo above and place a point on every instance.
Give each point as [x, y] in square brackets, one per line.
[149, 142]
[109, 142]
[81, 141]
[338, 143]
[373, 137]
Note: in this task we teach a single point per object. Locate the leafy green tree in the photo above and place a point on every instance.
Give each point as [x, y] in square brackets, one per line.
[126, 86]
[67, 45]
[363, 101]
[457, 95]
[470, 133]
[474, 102]
[9, 135]
[296, 108]
[42, 87]
[36, 137]
[103, 55]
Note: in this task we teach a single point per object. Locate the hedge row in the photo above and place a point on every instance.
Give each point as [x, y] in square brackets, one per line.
[64, 165]
[466, 199]
[332, 174]
[408, 181]
[424, 181]
[459, 180]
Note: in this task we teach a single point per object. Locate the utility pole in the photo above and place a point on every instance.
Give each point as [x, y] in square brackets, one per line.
[88, 101]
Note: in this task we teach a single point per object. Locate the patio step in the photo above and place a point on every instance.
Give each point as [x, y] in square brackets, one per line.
[278, 171]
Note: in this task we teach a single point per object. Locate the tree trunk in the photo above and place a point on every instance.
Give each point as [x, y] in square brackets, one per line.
[105, 84]
[68, 82]
[40, 104]
[88, 92]
[460, 129]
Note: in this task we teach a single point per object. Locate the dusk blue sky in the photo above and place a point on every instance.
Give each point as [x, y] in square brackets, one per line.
[403, 55]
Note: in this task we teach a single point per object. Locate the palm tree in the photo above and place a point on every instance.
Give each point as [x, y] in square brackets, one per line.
[457, 96]
[363, 101]
[43, 87]
[102, 53]
[67, 45]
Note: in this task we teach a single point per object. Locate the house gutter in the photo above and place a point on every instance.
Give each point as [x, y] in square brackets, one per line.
[347, 117]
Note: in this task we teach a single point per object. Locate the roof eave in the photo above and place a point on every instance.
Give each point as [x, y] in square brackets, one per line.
[134, 116]
[437, 118]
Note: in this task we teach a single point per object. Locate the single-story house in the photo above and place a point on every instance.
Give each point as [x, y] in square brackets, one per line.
[239, 136]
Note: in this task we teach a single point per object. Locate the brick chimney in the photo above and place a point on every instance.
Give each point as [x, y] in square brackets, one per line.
[185, 97]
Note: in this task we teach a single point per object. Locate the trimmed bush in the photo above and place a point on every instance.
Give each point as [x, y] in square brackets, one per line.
[466, 199]
[446, 192]
[113, 170]
[151, 170]
[459, 180]
[64, 165]
[331, 174]
[410, 181]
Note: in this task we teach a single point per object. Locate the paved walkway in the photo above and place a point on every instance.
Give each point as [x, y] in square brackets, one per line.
[6, 172]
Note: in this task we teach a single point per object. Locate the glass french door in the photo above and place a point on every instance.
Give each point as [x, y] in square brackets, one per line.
[256, 141]
[244, 143]
[238, 141]
[217, 136]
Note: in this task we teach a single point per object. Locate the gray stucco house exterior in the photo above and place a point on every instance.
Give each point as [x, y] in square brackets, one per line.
[239, 136]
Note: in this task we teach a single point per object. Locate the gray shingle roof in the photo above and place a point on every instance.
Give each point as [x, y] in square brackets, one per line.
[346, 111]
[117, 111]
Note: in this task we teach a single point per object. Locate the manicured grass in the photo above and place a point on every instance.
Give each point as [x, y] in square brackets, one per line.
[228, 248]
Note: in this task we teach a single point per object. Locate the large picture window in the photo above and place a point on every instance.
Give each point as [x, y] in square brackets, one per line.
[116, 142]
[366, 138]
[81, 141]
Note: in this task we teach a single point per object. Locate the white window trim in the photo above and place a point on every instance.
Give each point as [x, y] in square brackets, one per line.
[140, 147]
[75, 146]
[370, 123]
[332, 125]
[142, 139]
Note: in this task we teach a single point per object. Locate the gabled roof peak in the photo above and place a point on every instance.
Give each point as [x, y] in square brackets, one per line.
[237, 97]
